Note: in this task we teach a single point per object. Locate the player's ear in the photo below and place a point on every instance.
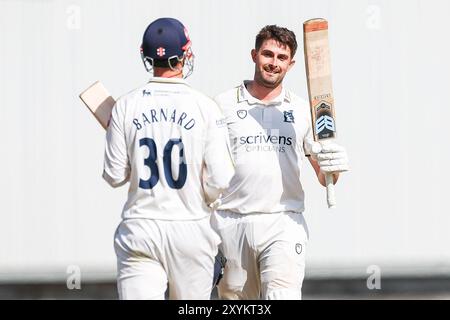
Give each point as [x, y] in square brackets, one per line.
[291, 64]
[254, 53]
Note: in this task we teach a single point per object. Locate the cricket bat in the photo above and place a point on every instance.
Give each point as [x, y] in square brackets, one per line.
[320, 91]
[99, 102]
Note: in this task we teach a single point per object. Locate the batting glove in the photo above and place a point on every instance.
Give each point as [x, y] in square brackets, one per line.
[331, 157]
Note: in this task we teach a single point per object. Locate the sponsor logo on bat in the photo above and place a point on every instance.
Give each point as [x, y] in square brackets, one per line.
[325, 127]
[322, 96]
[323, 105]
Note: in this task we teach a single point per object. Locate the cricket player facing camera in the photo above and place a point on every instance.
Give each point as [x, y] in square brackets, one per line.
[170, 143]
[264, 234]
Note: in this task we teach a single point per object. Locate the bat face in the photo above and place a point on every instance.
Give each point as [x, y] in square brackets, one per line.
[318, 74]
[318, 71]
[99, 102]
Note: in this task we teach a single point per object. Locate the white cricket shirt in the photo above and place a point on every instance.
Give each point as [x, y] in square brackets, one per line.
[171, 143]
[267, 145]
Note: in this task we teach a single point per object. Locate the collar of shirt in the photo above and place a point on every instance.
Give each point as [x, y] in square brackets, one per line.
[168, 80]
[243, 94]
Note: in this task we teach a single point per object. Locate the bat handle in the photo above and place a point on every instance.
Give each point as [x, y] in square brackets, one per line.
[331, 198]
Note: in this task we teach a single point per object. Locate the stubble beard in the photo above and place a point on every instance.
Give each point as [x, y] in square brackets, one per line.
[268, 82]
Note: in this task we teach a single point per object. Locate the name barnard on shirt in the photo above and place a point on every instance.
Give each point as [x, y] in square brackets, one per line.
[164, 115]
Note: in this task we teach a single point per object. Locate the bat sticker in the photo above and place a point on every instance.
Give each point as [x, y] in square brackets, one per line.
[325, 127]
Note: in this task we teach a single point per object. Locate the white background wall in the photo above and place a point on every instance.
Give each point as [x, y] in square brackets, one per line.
[391, 76]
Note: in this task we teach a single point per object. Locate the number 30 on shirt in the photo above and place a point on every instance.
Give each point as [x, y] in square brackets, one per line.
[150, 162]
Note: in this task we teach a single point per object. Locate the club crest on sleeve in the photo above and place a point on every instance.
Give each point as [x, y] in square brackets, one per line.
[242, 114]
[289, 116]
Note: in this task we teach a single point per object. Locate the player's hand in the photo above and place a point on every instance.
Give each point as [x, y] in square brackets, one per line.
[331, 157]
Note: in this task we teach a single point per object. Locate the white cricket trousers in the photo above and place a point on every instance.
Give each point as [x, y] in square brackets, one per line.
[265, 254]
[153, 255]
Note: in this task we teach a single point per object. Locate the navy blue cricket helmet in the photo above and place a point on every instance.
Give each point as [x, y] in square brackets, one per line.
[165, 43]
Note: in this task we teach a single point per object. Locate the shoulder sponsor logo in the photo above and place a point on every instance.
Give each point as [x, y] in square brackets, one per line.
[221, 123]
[146, 93]
[168, 93]
[242, 114]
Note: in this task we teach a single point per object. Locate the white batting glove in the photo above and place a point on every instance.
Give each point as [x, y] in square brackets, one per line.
[214, 205]
[331, 157]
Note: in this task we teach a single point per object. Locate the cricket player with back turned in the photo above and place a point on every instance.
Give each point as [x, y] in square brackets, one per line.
[170, 142]
[264, 234]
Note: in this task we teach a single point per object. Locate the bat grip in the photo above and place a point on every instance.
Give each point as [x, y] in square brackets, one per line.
[331, 199]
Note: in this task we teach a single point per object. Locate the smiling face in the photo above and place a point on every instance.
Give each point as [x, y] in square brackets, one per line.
[272, 61]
